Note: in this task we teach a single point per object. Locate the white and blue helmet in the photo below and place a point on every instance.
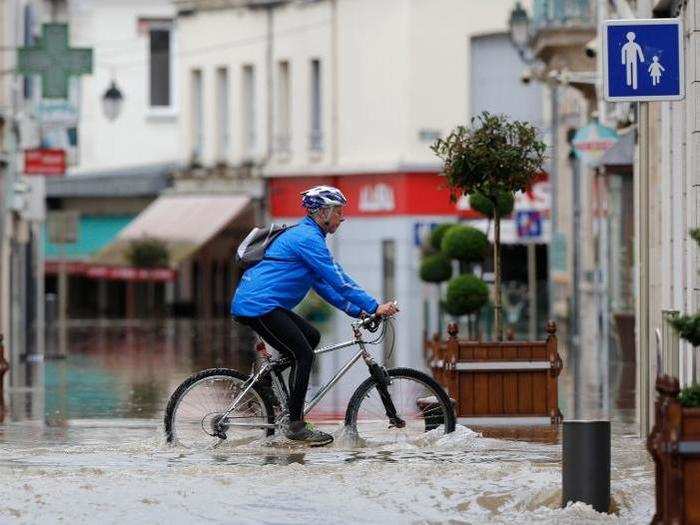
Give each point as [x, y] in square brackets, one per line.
[320, 197]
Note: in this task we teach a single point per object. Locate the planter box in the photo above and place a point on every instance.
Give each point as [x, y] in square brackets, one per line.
[512, 380]
[674, 444]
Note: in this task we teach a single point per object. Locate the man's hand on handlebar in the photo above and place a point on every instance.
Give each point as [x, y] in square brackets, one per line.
[387, 309]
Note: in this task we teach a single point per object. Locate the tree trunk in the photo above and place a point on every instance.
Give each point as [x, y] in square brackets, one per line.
[497, 270]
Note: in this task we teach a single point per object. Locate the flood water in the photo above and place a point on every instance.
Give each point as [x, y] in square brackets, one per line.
[88, 447]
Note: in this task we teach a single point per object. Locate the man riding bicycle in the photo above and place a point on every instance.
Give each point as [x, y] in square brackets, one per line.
[295, 262]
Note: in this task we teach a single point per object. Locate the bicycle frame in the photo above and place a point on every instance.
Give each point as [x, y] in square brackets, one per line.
[268, 366]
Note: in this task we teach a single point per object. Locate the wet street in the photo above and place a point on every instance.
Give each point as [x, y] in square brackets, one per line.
[89, 447]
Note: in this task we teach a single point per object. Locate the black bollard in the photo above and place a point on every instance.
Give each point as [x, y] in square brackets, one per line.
[586, 464]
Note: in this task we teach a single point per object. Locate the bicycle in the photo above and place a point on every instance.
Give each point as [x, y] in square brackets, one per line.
[220, 404]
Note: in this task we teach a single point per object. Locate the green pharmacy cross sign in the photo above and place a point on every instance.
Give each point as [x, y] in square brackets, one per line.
[54, 61]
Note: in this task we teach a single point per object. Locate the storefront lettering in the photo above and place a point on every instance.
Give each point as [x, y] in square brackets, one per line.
[379, 197]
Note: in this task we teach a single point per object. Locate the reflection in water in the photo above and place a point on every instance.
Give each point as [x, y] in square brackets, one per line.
[129, 369]
[119, 371]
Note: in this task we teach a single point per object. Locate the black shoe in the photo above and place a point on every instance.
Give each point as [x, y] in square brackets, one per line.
[306, 433]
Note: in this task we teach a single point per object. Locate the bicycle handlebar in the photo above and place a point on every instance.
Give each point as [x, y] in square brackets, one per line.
[371, 322]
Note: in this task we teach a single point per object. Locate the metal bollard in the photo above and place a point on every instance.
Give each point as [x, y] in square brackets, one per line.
[586, 464]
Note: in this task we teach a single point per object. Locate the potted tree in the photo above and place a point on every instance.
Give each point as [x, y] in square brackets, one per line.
[674, 441]
[674, 445]
[495, 155]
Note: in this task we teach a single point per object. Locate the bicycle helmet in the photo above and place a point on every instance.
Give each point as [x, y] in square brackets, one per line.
[319, 197]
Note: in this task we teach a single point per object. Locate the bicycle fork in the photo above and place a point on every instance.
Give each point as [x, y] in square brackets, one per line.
[382, 379]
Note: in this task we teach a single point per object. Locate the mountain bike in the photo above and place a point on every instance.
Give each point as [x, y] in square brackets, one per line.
[222, 404]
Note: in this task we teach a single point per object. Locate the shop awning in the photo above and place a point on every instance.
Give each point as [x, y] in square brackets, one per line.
[621, 154]
[184, 222]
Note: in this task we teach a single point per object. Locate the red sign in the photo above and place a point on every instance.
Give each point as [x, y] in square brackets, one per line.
[371, 195]
[114, 273]
[377, 195]
[45, 162]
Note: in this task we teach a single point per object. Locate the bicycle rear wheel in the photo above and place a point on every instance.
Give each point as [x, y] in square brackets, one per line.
[419, 401]
[194, 412]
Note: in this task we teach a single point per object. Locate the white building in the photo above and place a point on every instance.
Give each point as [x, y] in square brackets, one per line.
[346, 92]
[119, 160]
[674, 178]
[134, 46]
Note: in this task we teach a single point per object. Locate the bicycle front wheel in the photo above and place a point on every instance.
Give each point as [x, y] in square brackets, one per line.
[194, 417]
[420, 402]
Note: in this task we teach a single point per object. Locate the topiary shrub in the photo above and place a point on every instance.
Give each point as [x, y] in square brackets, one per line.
[690, 396]
[438, 233]
[148, 253]
[465, 244]
[481, 203]
[435, 268]
[688, 327]
[493, 155]
[466, 294]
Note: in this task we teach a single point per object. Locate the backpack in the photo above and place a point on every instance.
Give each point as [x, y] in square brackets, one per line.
[252, 250]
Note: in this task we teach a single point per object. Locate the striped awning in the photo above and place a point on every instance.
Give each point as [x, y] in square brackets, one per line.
[184, 222]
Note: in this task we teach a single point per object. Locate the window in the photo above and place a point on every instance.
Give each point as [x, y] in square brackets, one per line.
[283, 138]
[160, 36]
[316, 133]
[222, 114]
[248, 102]
[197, 116]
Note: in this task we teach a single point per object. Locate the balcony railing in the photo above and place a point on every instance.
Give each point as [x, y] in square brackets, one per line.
[563, 13]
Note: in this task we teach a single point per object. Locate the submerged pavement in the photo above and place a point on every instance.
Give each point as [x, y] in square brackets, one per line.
[88, 447]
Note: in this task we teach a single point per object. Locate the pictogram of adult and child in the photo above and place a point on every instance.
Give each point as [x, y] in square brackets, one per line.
[631, 53]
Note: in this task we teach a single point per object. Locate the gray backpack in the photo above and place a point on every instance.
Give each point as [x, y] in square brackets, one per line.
[252, 250]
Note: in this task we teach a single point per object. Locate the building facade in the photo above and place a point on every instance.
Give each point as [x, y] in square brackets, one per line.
[674, 174]
[119, 157]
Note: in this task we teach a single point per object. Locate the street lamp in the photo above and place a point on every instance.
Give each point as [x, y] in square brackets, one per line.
[112, 102]
[519, 25]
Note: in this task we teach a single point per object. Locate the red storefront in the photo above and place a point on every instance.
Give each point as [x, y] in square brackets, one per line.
[379, 246]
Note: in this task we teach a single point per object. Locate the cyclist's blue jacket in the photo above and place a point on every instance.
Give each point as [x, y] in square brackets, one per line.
[295, 262]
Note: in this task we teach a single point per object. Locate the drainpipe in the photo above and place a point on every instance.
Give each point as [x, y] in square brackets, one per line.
[270, 43]
[334, 83]
[554, 184]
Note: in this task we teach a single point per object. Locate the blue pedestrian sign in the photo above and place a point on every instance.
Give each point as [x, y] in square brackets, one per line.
[529, 224]
[643, 60]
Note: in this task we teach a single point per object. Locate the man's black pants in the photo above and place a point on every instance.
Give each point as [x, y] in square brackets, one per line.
[288, 333]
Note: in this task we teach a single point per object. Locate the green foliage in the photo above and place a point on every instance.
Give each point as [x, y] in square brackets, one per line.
[466, 294]
[695, 234]
[438, 233]
[314, 309]
[494, 155]
[148, 253]
[690, 396]
[484, 205]
[435, 268]
[465, 244]
[688, 327]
